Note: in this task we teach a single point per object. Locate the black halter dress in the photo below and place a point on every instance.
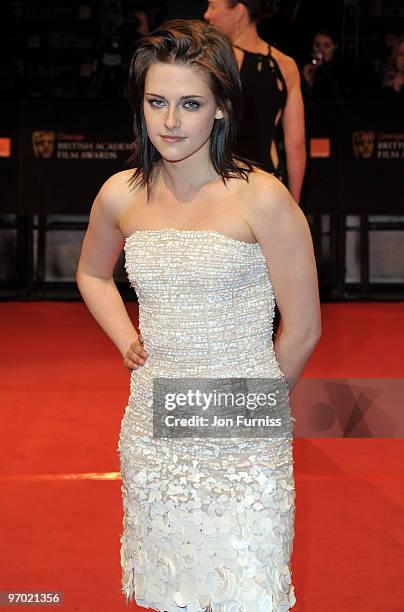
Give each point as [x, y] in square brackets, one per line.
[264, 99]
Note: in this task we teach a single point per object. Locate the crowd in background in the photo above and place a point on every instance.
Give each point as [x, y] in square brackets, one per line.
[328, 75]
[326, 71]
[76, 49]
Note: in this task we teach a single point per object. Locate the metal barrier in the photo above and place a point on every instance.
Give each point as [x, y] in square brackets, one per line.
[55, 156]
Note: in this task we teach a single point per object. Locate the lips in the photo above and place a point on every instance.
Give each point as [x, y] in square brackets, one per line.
[172, 138]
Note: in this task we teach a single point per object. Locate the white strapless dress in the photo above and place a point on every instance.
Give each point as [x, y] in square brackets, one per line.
[208, 524]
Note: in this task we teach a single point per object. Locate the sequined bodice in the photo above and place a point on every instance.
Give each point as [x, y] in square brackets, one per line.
[206, 303]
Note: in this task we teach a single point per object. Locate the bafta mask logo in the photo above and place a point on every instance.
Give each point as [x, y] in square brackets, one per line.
[363, 144]
[43, 143]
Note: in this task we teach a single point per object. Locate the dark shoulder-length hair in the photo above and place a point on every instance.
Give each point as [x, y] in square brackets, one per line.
[203, 46]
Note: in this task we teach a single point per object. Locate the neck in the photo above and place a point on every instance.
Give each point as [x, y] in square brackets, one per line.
[185, 178]
[247, 37]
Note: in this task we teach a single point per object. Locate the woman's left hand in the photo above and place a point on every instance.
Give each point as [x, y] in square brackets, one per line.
[136, 355]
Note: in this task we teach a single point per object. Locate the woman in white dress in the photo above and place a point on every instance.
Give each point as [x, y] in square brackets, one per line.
[210, 242]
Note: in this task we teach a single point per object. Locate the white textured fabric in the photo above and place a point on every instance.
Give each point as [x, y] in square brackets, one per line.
[208, 524]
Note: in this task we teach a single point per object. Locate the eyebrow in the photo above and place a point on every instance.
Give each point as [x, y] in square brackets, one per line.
[147, 93]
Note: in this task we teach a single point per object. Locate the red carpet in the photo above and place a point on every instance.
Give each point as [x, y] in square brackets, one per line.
[64, 390]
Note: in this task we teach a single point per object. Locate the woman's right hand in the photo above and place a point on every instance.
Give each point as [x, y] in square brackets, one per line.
[136, 355]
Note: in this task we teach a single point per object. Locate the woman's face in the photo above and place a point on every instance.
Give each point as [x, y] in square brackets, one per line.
[222, 16]
[324, 45]
[179, 109]
[400, 58]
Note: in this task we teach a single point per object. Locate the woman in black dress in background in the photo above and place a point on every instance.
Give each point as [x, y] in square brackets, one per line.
[272, 99]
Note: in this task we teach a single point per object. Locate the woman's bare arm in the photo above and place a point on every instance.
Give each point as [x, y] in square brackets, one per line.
[284, 235]
[101, 247]
[294, 131]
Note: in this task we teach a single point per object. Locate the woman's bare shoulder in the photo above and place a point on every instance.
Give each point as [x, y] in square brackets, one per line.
[281, 57]
[118, 186]
[116, 193]
[267, 195]
[264, 184]
[286, 63]
[272, 213]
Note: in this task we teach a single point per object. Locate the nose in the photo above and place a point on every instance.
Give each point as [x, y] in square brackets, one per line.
[206, 14]
[172, 120]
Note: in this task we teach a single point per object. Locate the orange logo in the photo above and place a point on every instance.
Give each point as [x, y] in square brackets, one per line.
[5, 147]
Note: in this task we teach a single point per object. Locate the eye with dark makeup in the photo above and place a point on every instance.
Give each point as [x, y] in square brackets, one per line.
[194, 103]
[188, 104]
[155, 102]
